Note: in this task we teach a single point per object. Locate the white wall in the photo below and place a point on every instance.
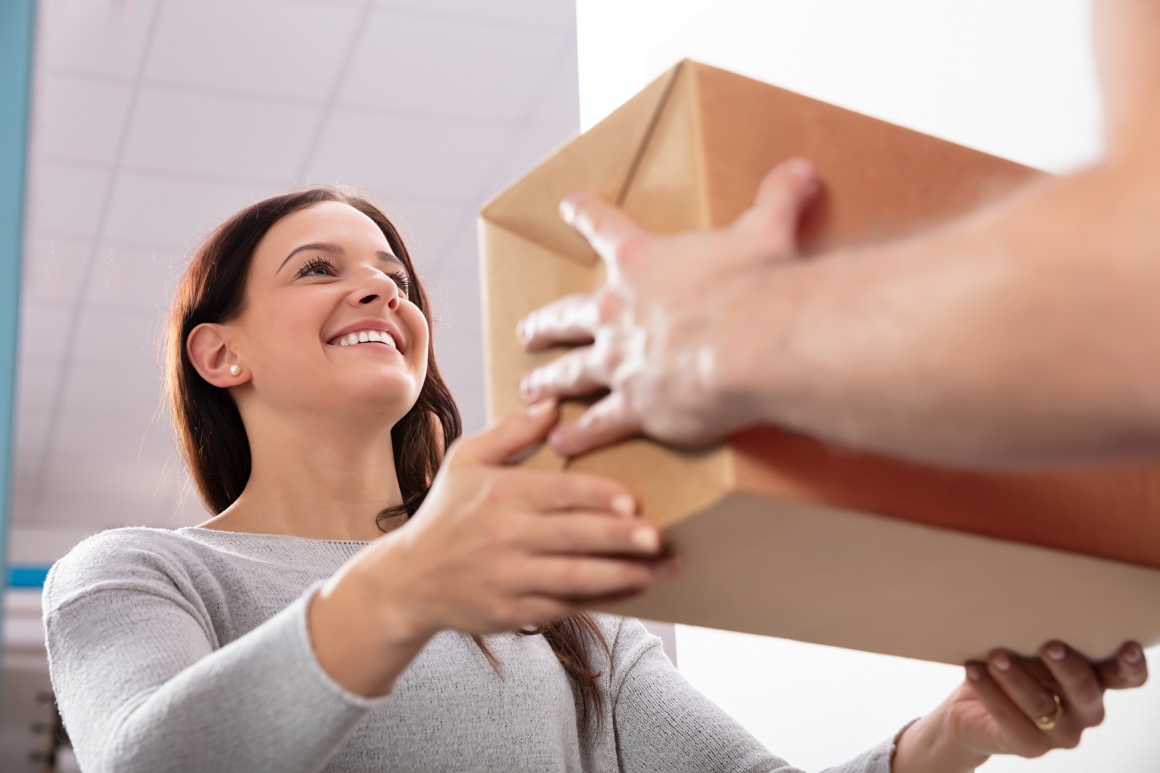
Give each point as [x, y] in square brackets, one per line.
[1011, 78]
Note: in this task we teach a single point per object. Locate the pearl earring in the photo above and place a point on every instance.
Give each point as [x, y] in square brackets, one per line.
[235, 370]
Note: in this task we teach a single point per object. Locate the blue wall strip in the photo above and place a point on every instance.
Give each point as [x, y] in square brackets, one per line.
[16, 37]
[27, 576]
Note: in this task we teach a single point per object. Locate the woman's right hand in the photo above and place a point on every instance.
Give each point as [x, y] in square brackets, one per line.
[493, 548]
[496, 548]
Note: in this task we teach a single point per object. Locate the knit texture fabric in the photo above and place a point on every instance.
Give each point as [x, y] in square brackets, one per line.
[188, 650]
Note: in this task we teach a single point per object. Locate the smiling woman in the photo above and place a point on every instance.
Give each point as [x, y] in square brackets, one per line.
[332, 614]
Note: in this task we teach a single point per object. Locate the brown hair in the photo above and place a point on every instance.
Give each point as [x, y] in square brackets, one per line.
[213, 439]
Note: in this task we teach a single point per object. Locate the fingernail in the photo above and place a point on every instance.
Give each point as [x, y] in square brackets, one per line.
[1000, 661]
[1133, 654]
[526, 388]
[974, 673]
[623, 504]
[568, 210]
[521, 330]
[1055, 651]
[540, 408]
[646, 538]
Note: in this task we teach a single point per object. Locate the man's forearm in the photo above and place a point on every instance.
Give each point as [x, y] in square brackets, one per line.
[1027, 333]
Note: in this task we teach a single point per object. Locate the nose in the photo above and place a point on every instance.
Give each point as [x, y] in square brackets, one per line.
[377, 288]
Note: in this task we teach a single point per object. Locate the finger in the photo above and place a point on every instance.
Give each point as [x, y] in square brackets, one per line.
[1126, 670]
[608, 420]
[570, 320]
[576, 578]
[606, 227]
[573, 374]
[556, 491]
[784, 194]
[1021, 736]
[593, 534]
[1032, 698]
[525, 611]
[1079, 686]
[507, 436]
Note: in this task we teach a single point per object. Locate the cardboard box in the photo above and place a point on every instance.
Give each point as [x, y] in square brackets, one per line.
[783, 535]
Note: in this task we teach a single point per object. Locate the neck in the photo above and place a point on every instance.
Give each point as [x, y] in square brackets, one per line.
[321, 478]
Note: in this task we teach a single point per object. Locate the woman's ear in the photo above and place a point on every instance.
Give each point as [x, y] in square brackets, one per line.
[209, 350]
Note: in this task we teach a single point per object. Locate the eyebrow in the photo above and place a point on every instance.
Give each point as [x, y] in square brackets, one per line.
[335, 249]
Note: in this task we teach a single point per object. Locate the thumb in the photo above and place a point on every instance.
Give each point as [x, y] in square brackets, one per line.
[606, 227]
[511, 434]
[784, 194]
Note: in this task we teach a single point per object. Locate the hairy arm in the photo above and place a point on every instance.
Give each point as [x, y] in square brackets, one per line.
[1025, 333]
[1022, 334]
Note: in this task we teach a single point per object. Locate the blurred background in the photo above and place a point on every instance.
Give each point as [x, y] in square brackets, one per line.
[152, 120]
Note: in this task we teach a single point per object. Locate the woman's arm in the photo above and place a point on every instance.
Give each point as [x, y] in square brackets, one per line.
[663, 723]
[143, 683]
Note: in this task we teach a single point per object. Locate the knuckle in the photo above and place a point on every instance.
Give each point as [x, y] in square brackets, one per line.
[506, 614]
[609, 305]
[606, 358]
[631, 249]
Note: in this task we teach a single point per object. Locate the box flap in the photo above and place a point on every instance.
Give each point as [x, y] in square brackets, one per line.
[601, 160]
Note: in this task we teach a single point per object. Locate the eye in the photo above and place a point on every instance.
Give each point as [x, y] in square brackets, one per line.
[403, 283]
[317, 266]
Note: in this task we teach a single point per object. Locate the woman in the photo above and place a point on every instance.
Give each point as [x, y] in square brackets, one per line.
[289, 633]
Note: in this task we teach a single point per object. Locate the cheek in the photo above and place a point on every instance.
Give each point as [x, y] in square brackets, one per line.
[417, 327]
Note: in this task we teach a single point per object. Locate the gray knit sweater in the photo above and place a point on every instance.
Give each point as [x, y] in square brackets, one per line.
[188, 650]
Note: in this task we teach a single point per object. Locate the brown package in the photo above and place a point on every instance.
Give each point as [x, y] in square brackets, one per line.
[782, 535]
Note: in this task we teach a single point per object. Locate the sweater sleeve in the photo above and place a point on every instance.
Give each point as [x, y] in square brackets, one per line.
[663, 723]
[142, 684]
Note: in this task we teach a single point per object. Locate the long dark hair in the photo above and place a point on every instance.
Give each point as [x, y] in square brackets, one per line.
[213, 439]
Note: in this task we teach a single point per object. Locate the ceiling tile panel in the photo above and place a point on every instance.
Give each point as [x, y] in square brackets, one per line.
[538, 14]
[79, 118]
[93, 37]
[160, 209]
[140, 277]
[236, 137]
[119, 338]
[132, 439]
[36, 384]
[405, 158]
[99, 389]
[129, 495]
[65, 198]
[54, 267]
[428, 228]
[447, 67]
[557, 107]
[528, 148]
[283, 49]
[32, 421]
[44, 330]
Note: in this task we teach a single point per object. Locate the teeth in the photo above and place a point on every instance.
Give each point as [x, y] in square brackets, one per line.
[363, 336]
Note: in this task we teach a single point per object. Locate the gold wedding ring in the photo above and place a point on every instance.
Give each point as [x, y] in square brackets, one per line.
[1047, 721]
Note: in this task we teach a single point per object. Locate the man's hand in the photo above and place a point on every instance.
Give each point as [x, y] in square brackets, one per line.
[654, 336]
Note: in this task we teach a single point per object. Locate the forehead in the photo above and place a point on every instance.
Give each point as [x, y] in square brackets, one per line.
[327, 221]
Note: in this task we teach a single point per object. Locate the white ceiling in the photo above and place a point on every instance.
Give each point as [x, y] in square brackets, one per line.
[153, 120]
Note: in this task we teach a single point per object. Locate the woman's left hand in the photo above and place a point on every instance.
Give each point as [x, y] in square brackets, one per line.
[1018, 705]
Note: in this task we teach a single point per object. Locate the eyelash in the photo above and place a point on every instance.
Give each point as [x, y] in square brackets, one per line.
[399, 278]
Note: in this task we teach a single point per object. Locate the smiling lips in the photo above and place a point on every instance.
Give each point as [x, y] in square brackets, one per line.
[365, 336]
